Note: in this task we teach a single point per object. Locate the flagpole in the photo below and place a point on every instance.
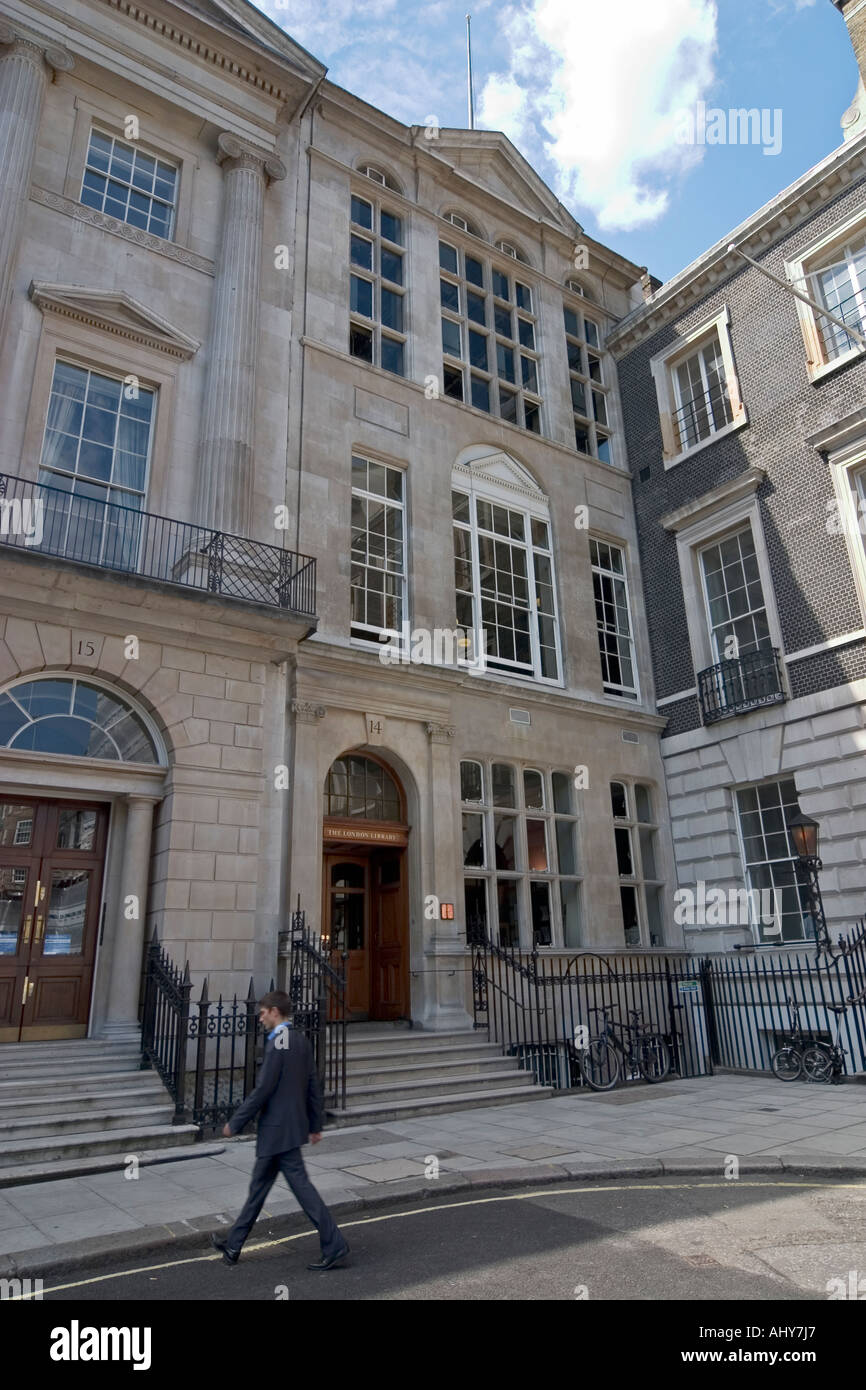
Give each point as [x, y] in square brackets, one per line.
[470, 100]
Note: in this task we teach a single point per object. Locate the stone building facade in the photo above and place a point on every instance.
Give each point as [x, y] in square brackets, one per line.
[746, 435]
[251, 325]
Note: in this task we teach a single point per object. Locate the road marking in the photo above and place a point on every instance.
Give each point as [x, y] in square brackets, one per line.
[426, 1210]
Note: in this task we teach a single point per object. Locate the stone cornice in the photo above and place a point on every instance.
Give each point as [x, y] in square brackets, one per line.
[700, 507]
[776, 220]
[114, 311]
[81, 213]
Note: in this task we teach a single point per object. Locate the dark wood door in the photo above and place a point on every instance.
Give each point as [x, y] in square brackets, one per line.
[51, 865]
[347, 925]
[390, 933]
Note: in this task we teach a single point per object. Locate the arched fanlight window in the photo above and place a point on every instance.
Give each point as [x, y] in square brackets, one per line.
[509, 249]
[464, 223]
[359, 787]
[372, 171]
[76, 718]
[575, 286]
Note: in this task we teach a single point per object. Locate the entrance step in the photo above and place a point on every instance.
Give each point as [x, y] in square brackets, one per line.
[81, 1102]
[393, 1073]
[434, 1105]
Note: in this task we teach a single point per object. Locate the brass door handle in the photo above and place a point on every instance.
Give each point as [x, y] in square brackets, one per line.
[24, 993]
[28, 923]
[40, 927]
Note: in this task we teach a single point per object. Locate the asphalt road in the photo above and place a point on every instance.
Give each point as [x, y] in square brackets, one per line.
[654, 1239]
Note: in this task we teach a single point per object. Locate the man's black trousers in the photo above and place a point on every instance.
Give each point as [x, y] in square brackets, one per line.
[291, 1165]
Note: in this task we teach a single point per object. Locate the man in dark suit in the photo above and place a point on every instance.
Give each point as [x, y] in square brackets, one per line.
[290, 1101]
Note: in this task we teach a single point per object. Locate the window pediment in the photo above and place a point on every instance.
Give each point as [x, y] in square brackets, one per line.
[500, 470]
[116, 312]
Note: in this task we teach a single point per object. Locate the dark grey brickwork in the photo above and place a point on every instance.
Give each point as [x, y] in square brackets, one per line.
[811, 570]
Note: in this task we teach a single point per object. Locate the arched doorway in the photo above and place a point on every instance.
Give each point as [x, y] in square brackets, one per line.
[364, 889]
[53, 848]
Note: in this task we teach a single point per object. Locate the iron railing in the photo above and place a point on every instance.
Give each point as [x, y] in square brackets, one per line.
[743, 683]
[703, 416]
[52, 521]
[851, 310]
[317, 989]
[540, 1008]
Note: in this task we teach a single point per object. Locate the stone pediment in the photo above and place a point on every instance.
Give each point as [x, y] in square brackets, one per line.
[500, 470]
[114, 311]
[490, 159]
[247, 22]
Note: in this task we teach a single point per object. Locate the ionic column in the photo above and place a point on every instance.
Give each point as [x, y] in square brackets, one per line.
[225, 474]
[128, 933]
[25, 67]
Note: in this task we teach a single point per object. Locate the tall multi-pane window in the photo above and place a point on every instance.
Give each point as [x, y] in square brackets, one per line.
[489, 338]
[96, 450]
[702, 402]
[504, 583]
[641, 887]
[735, 600]
[378, 550]
[125, 182]
[589, 393]
[521, 876]
[613, 619]
[840, 285]
[769, 858]
[377, 326]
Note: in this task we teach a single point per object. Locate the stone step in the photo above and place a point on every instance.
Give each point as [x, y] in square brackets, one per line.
[411, 1038]
[86, 1099]
[367, 1073]
[438, 1085]
[65, 1046]
[450, 1052]
[17, 1152]
[40, 1127]
[434, 1105]
[58, 1068]
[20, 1174]
[73, 1085]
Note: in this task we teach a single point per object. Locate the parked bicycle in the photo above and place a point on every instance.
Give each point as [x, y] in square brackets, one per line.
[636, 1046]
[824, 1061]
[787, 1060]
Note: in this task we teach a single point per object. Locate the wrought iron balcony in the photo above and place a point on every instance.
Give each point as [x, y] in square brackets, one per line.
[52, 521]
[732, 687]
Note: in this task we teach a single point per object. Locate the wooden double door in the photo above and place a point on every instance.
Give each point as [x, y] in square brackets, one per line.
[52, 857]
[365, 913]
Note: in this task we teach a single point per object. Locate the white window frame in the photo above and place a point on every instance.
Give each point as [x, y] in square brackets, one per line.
[378, 282]
[630, 693]
[709, 519]
[663, 367]
[719, 655]
[755, 926]
[378, 634]
[799, 270]
[638, 879]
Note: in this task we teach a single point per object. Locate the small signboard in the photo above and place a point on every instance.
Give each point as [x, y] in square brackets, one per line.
[688, 986]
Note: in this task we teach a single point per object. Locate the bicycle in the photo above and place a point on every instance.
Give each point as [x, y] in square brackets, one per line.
[787, 1061]
[646, 1052]
[826, 1061]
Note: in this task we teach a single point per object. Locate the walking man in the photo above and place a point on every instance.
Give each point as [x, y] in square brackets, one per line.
[290, 1101]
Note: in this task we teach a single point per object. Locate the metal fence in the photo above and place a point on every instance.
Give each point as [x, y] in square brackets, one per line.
[52, 521]
[317, 989]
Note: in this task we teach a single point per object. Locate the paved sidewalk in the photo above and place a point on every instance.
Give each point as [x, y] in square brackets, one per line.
[681, 1126]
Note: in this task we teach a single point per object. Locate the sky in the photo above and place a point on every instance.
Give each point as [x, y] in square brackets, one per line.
[622, 106]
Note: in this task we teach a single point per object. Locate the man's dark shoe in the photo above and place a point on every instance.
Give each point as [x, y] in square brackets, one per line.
[328, 1262]
[230, 1256]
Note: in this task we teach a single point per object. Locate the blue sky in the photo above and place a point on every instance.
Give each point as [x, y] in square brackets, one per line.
[598, 96]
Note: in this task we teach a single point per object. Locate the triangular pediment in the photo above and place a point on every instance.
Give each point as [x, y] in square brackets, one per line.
[500, 470]
[248, 22]
[490, 159]
[114, 311]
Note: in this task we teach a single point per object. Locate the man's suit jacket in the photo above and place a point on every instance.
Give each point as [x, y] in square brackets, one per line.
[287, 1099]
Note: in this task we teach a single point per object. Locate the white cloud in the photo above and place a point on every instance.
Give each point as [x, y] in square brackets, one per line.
[326, 25]
[597, 88]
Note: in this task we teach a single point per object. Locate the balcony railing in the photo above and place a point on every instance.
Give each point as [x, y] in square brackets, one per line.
[52, 521]
[703, 416]
[851, 310]
[732, 687]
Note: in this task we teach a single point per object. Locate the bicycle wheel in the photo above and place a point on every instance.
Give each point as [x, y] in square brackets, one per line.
[817, 1062]
[787, 1064]
[653, 1058]
[599, 1065]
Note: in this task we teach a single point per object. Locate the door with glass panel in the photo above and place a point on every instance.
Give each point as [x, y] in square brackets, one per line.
[737, 615]
[51, 866]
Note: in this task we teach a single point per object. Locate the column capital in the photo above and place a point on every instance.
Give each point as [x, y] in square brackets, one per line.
[307, 713]
[141, 798]
[236, 153]
[29, 44]
[440, 733]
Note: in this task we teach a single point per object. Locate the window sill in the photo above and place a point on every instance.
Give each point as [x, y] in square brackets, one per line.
[826, 369]
[735, 425]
